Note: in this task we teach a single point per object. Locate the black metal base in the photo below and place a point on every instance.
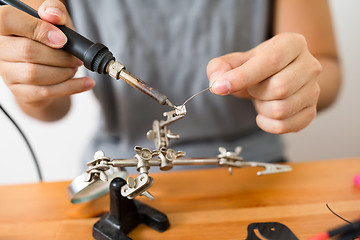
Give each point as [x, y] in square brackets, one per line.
[125, 214]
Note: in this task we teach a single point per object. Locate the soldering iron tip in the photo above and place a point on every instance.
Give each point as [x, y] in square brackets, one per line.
[167, 102]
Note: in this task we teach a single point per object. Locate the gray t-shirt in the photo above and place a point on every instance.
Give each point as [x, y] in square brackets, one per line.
[168, 43]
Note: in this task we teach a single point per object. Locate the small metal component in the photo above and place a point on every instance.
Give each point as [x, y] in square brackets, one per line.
[143, 155]
[148, 195]
[137, 186]
[97, 167]
[225, 156]
[131, 182]
[159, 133]
[167, 156]
[114, 68]
[270, 168]
[180, 110]
[172, 116]
[232, 160]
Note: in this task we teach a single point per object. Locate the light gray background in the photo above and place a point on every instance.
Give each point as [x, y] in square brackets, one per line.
[333, 134]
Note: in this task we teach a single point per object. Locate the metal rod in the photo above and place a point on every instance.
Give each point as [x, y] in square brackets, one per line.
[157, 162]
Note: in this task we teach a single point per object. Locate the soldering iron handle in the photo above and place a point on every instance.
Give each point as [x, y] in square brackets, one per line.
[95, 56]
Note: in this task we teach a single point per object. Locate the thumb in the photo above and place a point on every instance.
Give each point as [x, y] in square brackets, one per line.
[217, 67]
[220, 65]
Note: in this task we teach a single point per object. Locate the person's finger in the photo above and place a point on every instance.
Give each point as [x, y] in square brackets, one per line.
[54, 11]
[219, 65]
[293, 124]
[226, 62]
[18, 49]
[32, 93]
[35, 74]
[243, 93]
[18, 23]
[288, 81]
[282, 109]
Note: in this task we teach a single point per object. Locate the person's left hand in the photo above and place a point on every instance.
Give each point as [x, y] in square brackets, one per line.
[279, 75]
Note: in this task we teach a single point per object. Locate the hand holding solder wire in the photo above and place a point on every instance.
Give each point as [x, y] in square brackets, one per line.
[280, 76]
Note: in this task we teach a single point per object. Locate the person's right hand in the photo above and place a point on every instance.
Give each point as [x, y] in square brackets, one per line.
[32, 64]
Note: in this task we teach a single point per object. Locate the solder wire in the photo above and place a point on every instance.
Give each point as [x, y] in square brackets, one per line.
[204, 90]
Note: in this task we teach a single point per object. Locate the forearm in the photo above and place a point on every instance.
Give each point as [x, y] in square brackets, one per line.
[48, 110]
[329, 81]
[313, 20]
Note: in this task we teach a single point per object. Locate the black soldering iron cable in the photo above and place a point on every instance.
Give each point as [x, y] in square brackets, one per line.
[26, 141]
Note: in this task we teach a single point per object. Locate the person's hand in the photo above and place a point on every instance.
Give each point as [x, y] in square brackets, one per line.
[279, 75]
[31, 63]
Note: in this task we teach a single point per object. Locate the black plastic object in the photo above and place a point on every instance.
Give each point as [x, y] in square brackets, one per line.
[269, 231]
[125, 214]
[95, 56]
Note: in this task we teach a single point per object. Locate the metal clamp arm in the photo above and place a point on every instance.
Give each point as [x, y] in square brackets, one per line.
[166, 159]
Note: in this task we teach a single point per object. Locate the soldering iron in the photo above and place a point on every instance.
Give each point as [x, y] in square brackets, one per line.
[96, 56]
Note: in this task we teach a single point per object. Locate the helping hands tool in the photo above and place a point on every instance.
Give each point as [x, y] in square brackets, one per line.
[96, 56]
[166, 158]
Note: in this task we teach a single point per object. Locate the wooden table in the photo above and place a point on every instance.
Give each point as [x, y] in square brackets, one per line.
[200, 204]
